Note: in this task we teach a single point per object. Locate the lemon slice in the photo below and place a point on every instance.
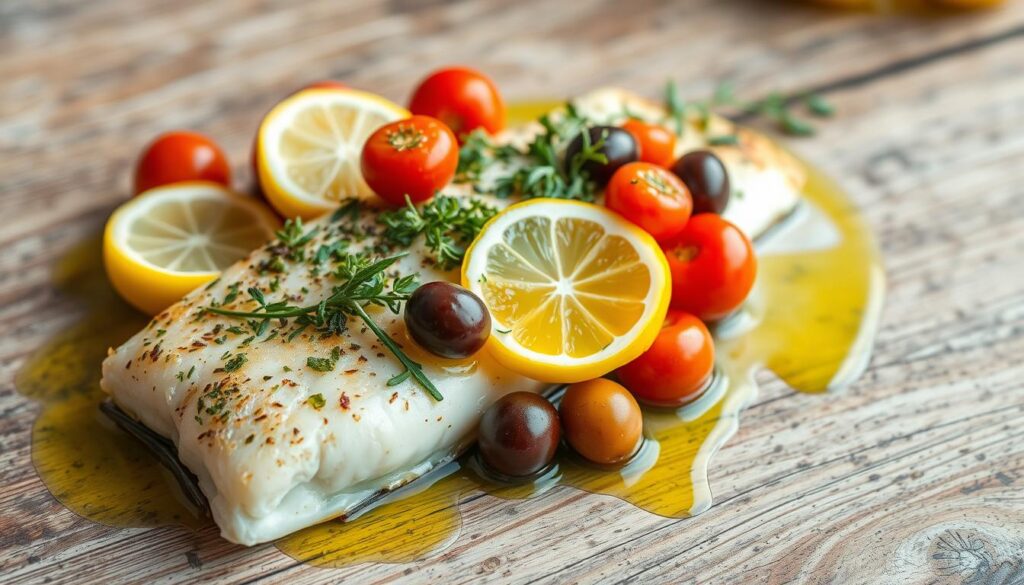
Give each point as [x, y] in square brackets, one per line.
[167, 241]
[574, 290]
[309, 147]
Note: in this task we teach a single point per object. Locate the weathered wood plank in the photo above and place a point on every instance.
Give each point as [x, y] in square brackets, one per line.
[812, 488]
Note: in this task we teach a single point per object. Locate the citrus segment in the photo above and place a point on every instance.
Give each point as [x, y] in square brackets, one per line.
[574, 290]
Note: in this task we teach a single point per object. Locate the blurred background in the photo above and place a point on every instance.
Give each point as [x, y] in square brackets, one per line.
[925, 138]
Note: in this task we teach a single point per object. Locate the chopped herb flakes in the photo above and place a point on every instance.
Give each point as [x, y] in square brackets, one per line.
[235, 363]
[320, 364]
[362, 281]
[316, 401]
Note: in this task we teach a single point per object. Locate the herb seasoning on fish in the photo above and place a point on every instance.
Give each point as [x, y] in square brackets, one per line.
[363, 282]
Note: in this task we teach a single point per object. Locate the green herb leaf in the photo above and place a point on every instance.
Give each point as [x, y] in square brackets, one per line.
[320, 364]
[676, 106]
[236, 362]
[818, 106]
[316, 401]
[724, 140]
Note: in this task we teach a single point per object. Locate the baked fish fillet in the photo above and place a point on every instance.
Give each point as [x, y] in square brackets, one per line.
[278, 445]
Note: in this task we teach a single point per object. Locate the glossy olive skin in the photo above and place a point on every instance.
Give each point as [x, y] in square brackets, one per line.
[707, 179]
[601, 421]
[519, 434]
[619, 147]
[447, 320]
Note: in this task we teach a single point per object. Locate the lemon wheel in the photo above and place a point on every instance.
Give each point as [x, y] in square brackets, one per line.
[309, 148]
[167, 241]
[574, 290]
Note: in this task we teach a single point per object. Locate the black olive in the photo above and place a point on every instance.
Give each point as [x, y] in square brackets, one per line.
[705, 176]
[519, 434]
[618, 146]
[447, 320]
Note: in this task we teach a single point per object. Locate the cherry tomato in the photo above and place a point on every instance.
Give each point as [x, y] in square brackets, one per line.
[181, 156]
[651, 197]
[713, 267]
[601, 421]
[462, 98]
[254, 152]
[657, 144]
[415, 157]
[675, 370]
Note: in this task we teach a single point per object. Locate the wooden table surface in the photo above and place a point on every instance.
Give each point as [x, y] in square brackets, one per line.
[914, 475]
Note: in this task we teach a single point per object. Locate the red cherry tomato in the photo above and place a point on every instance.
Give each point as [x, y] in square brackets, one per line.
[254, 153]
[675, 370]
[713, 267]
[657, 143]
[415, 157]
[462, 98]
[651, 197]
[181, 156]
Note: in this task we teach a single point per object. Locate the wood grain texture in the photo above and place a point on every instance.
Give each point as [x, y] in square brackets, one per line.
[912, 476]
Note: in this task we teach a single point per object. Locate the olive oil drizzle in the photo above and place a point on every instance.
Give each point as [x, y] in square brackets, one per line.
[811, 320]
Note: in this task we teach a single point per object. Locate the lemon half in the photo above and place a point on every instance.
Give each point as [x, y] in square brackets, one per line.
[167, 241]
[574, 290]
[310, 144]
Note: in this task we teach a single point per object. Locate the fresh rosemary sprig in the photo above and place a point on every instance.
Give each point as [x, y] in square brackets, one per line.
[775, 107]
[363, 282]
[447, 223]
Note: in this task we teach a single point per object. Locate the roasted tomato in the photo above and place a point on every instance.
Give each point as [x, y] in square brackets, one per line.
[676, 369]
[651, 197]
[713, 267]
[181, 156]
[656, 143]
[462, 98]
[414, 157]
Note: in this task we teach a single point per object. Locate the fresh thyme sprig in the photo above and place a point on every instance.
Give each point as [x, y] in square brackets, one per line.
[542, 174]
[447, 223]
[536, 170]
[363, 282]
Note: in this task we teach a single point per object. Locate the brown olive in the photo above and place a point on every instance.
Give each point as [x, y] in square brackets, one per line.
[618, 146]
[519, 434]
[447, 320]
[707, 179]
[601, 421]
